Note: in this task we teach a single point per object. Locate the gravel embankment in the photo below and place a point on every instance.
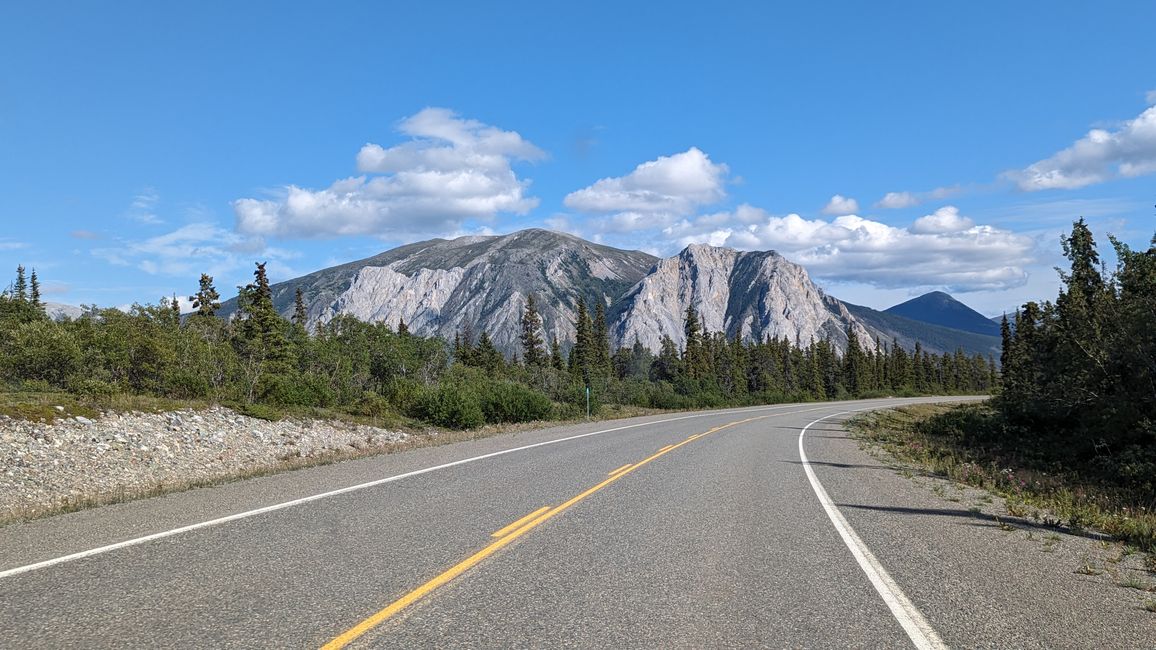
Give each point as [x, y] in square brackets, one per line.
[76, 460]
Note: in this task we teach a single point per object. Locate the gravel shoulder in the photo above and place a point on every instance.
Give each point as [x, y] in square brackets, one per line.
[76, 462]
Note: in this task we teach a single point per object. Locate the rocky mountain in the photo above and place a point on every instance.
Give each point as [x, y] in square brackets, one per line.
[60, 311]
[939, 308]
[748, 294]
[440, 287]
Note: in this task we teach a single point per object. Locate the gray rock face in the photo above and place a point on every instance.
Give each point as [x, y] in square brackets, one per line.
[441, 287]
[747, 294]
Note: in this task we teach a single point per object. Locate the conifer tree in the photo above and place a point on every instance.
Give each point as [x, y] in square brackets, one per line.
[205, 300]
[582, 352]
[692, 358]
[601, 341]
[34, 293]
[532, 352]
[556, 354]
[20, 290]
[487, 355]
[300, 316]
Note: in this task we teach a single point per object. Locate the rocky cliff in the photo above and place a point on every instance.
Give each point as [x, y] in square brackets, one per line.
[440, 287]
[748, 294]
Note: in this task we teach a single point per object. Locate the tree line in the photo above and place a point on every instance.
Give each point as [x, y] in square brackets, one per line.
[1079, 373]
[259, 357]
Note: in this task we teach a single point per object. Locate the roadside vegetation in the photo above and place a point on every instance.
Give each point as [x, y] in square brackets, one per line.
[263, 365]
[1070, 438]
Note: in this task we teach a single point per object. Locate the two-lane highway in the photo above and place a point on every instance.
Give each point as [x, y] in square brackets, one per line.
[691, 530]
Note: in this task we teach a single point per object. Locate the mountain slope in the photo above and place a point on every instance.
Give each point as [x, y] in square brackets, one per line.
[936, 339]
[440, 287]
[939, 308]
[748, 294]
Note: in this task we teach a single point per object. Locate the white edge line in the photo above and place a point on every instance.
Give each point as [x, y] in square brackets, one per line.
[352, 488]
[922, 635]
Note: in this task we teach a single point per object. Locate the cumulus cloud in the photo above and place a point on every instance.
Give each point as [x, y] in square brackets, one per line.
[1099, 156]
[655, 193]
[897, 200]
[452, 169]
[944, 220]
[840, 204]
[943, 249]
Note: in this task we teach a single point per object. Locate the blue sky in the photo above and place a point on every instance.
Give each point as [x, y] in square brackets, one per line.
[141, 144]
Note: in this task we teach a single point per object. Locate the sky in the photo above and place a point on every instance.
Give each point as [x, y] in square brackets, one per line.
[890, 148]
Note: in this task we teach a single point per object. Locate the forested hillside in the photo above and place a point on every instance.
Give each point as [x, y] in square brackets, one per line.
[261, 359]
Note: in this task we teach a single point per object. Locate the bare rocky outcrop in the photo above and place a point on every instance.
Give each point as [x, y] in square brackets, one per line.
[441, 287]
[748, 294]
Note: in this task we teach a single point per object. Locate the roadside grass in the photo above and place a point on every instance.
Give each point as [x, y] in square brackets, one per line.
[965, 443]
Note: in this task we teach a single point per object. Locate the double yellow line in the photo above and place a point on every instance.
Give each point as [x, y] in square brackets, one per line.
[504, 537]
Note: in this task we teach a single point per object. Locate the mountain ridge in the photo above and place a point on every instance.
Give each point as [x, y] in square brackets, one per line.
[443, 287]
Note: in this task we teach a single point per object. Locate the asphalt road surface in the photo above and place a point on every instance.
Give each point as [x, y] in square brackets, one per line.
[699, 530]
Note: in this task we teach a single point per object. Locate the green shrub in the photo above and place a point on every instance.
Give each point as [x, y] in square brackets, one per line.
[295, 390]
[41, 350]
[510, 402]
[91, 387]
[449, 405]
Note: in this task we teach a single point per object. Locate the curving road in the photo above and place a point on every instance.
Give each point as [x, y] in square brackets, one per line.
[712, 529]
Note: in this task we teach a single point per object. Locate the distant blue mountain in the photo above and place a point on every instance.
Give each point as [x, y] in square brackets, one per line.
[939, 308]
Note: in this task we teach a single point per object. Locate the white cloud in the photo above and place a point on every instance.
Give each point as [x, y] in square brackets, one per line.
[143, 207]
[655, 193]
[452, 169]
[945, 249]
[840, 204]
[897, 200]
[944, 220]
[9, 245]
[1099, 156]
[194, 249]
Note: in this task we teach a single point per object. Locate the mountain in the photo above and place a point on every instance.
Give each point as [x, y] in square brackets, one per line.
[440, 287]
[936, 339]
[748, 294]
[939, 308]
[61, 311]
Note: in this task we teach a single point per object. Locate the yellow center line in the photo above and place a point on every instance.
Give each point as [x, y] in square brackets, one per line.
[626, 466]
[506, 530]
[461, 567]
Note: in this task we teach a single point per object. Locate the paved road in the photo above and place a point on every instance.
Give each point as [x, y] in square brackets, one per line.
[646, 535]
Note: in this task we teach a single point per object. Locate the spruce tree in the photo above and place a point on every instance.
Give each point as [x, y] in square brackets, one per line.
[34, 294]
[532, 352]
[206, 299]
[582, 352]
[692, 354]
[556, 359]
[20, 291]
[300, 316]
[601, 341]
